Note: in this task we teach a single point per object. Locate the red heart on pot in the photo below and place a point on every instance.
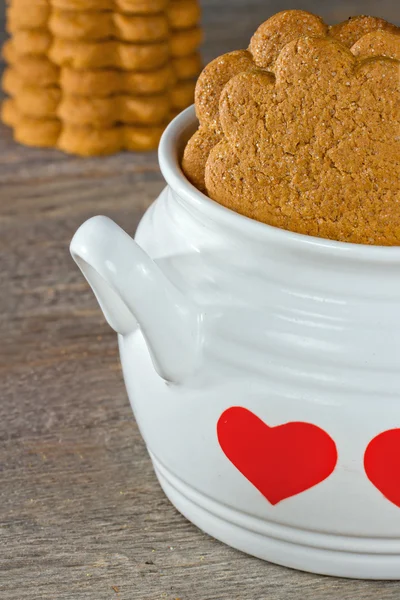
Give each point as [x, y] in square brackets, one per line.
[279, 461]
[382, 464]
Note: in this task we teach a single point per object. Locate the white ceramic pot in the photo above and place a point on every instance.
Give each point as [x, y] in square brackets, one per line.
[263, 371]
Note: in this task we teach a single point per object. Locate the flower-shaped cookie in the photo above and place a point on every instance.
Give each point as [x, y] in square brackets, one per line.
[304, 133]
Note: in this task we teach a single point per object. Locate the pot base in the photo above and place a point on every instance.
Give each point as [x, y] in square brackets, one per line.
[202, 512]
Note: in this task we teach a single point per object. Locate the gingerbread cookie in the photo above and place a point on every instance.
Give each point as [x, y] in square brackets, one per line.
[107, 82]
[183, 14]
[311, 145]
[85, 141]
[41, 133]
[98, 55]
[31, 101]
[142, 139]
[266, 44]
[32, 69]
[185, 41]
[182, 94]
[31, 42]
[71, 25]
[103, 113]
[308, 180]
[187, 67]
[124, 6]
[25, 14]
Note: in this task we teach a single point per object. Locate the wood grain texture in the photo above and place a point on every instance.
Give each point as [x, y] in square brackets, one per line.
[81, 514]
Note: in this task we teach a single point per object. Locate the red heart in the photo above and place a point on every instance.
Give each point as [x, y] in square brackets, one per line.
[382, 464]
[279, 461]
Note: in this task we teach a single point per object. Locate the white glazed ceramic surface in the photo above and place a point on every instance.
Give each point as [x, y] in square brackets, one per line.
[238, 316]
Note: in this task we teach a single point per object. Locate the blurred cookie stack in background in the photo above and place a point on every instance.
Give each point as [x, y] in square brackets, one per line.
[31, 79]
[115, 73]
[184, 22]
[94, 77]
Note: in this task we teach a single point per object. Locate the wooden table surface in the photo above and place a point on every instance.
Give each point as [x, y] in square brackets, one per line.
[81, 513]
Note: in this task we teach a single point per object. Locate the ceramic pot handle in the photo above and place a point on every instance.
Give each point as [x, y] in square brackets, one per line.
[131, 289]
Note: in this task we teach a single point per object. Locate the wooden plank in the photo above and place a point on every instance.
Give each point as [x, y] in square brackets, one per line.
[81, 513]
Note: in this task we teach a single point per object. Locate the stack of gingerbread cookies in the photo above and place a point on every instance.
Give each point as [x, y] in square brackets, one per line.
[186, 37]
[31, 79]
[94, 77]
